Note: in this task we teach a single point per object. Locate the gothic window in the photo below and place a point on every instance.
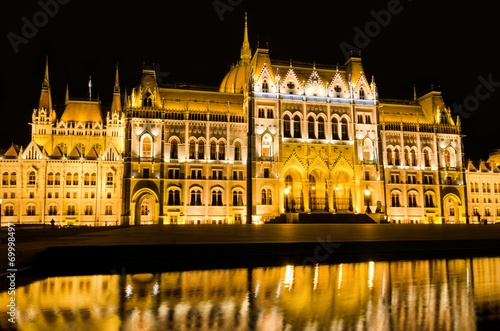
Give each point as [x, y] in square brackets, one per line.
[390, 157]
[109, 179]
[427, 158]
[201, 150]
[9, 210]
[407, 157]
[222, 151]
[345, 133]
[321, 128]
[196, 198]
[296, 127]
[86, 179]
[108, 210]
[174, 149]
[75, 178]
[71, 210]
[266, 197]
[286, 127]
[237, 151]
[68, 178]
[174, 198]
[270, 113]
[213, 150]
[362, 93]
[397, 155]
[335, 129]
[13, 179]
[367, 150]
[217, 198]
[413, 158]
[262, 113]
[310, 128]
[32, 178]
[412, 199]
[5, 179]
[447, 158]
[147, 146]
[57, 181]
[265, 86]
[93, 179]
[89, 210]
[266, 146]
[429, 200]
[192, 150]
[50, 179]
[147, 101]
[396, 199]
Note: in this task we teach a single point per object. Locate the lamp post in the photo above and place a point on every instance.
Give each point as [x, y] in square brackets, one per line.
[287, 191]
[367, 198]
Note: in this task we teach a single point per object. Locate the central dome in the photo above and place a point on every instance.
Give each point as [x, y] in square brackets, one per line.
[236, 79]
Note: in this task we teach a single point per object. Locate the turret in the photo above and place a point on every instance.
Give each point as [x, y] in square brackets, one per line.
[116, 105]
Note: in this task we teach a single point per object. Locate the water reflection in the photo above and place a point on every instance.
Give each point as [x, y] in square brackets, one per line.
[457, 294]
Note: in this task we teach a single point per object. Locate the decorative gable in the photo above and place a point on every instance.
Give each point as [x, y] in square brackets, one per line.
[315, 86]
[338, 88]
[291, 84]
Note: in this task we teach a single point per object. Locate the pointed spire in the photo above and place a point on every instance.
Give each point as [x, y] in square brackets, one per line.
[66, 99]
[246, 52]
[45, 96]
[117, 81]
[414, 93]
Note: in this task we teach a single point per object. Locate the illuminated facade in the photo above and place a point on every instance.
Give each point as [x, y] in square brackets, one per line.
[276, 138]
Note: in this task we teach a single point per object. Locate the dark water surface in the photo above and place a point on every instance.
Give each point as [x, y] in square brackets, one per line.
[434, 294]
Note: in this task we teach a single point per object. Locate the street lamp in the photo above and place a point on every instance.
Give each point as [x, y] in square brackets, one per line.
[367, 198]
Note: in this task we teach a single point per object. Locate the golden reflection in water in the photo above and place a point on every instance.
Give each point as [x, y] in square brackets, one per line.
[404, 295]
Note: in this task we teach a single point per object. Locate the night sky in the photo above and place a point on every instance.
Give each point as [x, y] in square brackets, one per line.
[448, 44]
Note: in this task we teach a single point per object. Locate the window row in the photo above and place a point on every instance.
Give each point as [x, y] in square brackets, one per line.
[487, 211]
[315, 128]
[486, 187]
[196, 198]
[52, 210]
[429, 200]
[55, 179]
[9, 179]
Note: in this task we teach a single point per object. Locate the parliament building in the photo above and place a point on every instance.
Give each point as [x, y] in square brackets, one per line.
[275, 140]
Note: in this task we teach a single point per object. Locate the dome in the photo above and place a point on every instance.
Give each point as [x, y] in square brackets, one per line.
[236, 79]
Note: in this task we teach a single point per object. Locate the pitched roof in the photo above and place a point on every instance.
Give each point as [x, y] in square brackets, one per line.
[56, 153]
[82, 111]
[11, 152]
[75, 153]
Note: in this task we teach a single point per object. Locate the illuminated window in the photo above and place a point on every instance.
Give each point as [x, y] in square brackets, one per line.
[427, 158]
[192, 150]
[93, 179]
[68, 178]
[147, 145]
[390, 157]
[109, 179]
[396, 202]
[362, 93]
[201, 150]
[86, 179]
[335, 129]
[50, 179]
[213, 150]
[13, 179]
[397, 160]
[413, 158]
[58, 179]
[265, 86]
[32, 178]
[447, 158]
[266, 146]
[429, 200]
[222, 151]
[75, 178]
[367, 150]
[237, 198]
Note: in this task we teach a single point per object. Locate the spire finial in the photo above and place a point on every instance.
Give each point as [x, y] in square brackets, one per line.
[46, 75]
[414, 93]
[246, 52]
[117, 81]
[67, 95]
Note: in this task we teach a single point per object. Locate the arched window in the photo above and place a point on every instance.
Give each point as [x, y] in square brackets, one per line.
[345, 132]
[367, 150]
[335, 129]
[147, 102]
[413, 158]
[289, 182]
[237, 151]
[412, 199]
[390, 157]
[407, 158]
[174, 149]
[9, 210]
[5, 178]
[217, 198]
[108, 210]
[310, 128]
[109, 179]
[447, 158]
[68, 178]
[31, 210]
[362, 93]
[286, 127]
[222, 151]
[32, 178]
[147, 147]
[266, 146]
[296, 127]
[86, 179]
[75, 178]
[89, 210]
[265, 86]
[270, 113]
[396, 199]
[266, 197]
[58, 179]
[237, 198]
[93, 179]
[321, 128]
[213, 150]
[429, 200]
[174, 198]
[196, 198]
[201, 150]
[50, 179]
[192, 150]
[475, 211]
[427, 158]
[397, 155]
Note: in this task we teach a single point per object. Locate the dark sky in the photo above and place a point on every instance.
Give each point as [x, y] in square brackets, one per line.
[449, 43]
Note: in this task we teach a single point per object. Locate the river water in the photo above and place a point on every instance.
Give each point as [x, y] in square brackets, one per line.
[439, 294]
